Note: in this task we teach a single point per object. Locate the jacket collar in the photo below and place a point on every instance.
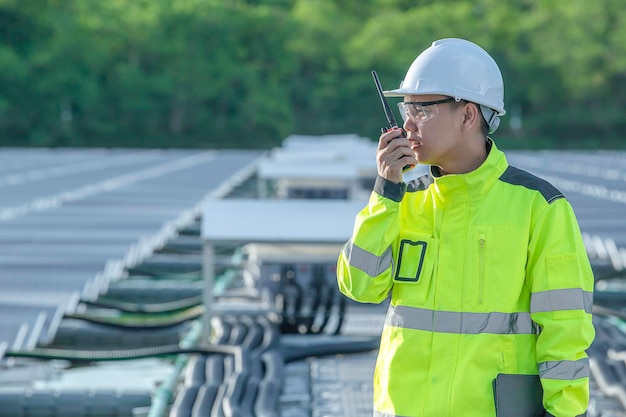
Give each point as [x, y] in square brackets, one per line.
[474, 183]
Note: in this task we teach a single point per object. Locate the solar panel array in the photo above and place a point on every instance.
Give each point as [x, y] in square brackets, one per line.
[72, 219]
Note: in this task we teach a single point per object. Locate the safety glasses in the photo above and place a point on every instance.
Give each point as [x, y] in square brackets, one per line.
[421, 111]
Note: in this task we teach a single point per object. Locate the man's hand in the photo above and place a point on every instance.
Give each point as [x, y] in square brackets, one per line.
[393, 154]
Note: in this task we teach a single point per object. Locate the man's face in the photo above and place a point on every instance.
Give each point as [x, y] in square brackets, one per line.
[432, 129]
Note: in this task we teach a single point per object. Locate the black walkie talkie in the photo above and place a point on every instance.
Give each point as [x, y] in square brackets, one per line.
[390, 117]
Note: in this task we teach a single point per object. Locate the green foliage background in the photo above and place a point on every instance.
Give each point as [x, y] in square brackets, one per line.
[246, 74]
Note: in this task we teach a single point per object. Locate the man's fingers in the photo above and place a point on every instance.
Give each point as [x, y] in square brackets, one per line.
[398, 153]
[394, 153]
[388, 137]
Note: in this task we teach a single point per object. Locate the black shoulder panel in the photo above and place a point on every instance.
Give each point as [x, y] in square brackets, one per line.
[420, 183]
[516, 176]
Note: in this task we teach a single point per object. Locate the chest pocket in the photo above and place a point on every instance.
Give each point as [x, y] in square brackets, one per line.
[416, 257]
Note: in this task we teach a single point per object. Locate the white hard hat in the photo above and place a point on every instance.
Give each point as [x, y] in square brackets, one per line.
[457, 68]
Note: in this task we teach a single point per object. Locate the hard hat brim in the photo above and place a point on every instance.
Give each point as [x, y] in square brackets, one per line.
[399, 92]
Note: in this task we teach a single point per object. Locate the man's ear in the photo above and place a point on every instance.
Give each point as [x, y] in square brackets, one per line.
[471, 116]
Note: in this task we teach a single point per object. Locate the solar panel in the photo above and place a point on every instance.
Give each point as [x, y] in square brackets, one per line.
[66, 213]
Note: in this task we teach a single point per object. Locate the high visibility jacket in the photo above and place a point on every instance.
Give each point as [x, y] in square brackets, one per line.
[488, 274]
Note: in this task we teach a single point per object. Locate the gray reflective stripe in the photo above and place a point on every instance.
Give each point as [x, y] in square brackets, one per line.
[567, 299]
[366, 261]
[567, 370]
[460, 322]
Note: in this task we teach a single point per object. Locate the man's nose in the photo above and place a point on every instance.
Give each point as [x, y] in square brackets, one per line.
[409, 125]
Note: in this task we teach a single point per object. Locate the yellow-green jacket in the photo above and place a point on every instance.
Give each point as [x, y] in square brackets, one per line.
[488, 274]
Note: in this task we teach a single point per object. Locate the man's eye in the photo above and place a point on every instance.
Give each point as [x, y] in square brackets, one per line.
[418, 111]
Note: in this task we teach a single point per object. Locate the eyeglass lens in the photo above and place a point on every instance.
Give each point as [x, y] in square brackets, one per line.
[417, 113]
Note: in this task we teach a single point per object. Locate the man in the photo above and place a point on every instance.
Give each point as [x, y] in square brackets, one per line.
[485, 262]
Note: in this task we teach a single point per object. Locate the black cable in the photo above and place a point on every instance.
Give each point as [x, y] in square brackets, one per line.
[142, 323]
[292, 354]
[116, 355]
[292, 295]
[341, 313]
[318, 288]
[154, 308]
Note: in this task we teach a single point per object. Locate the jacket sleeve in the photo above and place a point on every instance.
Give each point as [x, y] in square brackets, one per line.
[561, 283]
[365, 264]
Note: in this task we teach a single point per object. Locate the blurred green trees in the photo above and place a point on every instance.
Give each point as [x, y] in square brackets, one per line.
[245, 74]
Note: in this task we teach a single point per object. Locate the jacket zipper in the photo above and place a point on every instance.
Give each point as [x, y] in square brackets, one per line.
[481, 266]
